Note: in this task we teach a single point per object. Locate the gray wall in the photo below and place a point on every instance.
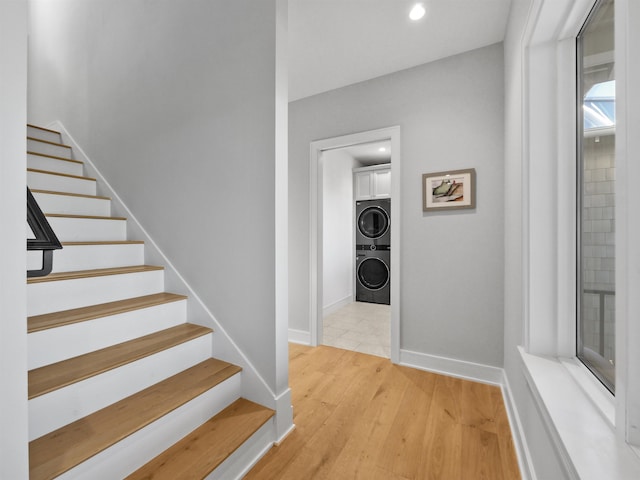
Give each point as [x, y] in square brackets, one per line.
[451, 117]
[175, 102]
[14, 419]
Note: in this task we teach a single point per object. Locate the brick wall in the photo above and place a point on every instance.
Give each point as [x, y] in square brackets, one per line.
[598, 242]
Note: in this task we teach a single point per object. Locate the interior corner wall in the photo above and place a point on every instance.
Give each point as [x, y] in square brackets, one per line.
[14, 421]
[175, 103]
[451, 115]
[337, 230]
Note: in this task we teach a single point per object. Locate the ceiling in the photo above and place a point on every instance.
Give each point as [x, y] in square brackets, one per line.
[372, 153]
[334, 43]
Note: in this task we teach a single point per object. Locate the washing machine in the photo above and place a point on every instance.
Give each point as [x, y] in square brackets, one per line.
[373, 274]
[373, 223]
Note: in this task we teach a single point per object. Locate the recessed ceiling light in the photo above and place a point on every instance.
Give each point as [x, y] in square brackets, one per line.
[417, 12]
[382, 149]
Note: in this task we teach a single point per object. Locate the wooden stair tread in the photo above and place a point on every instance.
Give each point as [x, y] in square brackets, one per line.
[93, 217]
[99, 272]
[55, 157]
[50, 143]
[46, 321]
[53, 192]
[58, 375]
[204, 449]
[62, 449]
[48, 172]
[42, 128]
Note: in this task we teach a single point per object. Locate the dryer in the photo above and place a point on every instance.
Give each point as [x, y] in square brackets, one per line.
[373, 275]
[373, 223]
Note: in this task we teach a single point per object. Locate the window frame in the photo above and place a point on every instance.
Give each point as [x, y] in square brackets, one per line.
[549, 227]
[593, 362]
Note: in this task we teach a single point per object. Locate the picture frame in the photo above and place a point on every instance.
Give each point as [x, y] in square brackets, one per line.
[451, 190]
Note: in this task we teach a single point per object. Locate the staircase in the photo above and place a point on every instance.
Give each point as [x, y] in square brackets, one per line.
[120, 385]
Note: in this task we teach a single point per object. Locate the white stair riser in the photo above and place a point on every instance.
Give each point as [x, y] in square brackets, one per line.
[65, 405]
[88, 229]
[60, 183]
[46, 135]
[54, 165]
[56, 344]
[134, 451]
[88, 257]
[47, 297]
[48, 149]
[71, 205]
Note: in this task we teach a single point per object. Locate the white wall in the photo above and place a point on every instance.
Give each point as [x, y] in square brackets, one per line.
[176, 104]
[13, 312]
[337, 232]
[451, 116]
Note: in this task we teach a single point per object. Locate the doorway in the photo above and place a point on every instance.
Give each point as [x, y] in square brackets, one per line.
[326, 300]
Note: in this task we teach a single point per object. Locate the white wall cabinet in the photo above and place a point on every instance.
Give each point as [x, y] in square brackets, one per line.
[372, 182]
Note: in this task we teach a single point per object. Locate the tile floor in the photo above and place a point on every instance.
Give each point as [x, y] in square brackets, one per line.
[362, 327]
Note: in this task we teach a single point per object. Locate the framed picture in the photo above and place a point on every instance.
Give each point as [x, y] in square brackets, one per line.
[449, 190]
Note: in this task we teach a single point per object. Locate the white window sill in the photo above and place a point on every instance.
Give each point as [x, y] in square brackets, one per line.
[579, 418]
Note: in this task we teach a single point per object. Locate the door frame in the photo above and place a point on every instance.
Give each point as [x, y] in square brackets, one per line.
[315, 225]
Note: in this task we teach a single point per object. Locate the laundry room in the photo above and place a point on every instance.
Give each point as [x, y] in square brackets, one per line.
[356, 245]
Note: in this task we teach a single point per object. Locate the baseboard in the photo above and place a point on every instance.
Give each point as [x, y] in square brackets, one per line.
[284, 437]
[525, 461]
[452, 367]
[299, 336]
[334, 307]
[284, 420]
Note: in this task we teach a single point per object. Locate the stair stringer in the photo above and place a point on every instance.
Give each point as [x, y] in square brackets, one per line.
[254, 386]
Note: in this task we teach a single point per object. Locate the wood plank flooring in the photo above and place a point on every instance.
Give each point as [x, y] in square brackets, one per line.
[361, 417]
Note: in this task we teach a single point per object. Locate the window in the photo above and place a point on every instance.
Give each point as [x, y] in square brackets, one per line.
[596, 194]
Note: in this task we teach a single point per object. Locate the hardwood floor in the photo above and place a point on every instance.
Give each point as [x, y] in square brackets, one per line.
[359, 416]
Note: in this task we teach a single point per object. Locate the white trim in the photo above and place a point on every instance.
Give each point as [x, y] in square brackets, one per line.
[583, 437]
[566, 199]
[575, 412]
[594, 390]
[254, 386]
[299, 336]
[335, 306]
[283, 423]
[369, 168]
[525, 460]
[284, 417]
[278, 442]
[550, 427]
[475, 372]
[315, 228]
[627, 45]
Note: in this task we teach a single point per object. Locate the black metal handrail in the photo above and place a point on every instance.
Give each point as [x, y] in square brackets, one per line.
[45, 238]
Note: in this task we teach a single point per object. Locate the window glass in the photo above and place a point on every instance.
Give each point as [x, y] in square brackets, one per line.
[596, 194]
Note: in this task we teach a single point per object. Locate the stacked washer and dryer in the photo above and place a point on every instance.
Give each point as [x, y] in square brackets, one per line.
[373, 251]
